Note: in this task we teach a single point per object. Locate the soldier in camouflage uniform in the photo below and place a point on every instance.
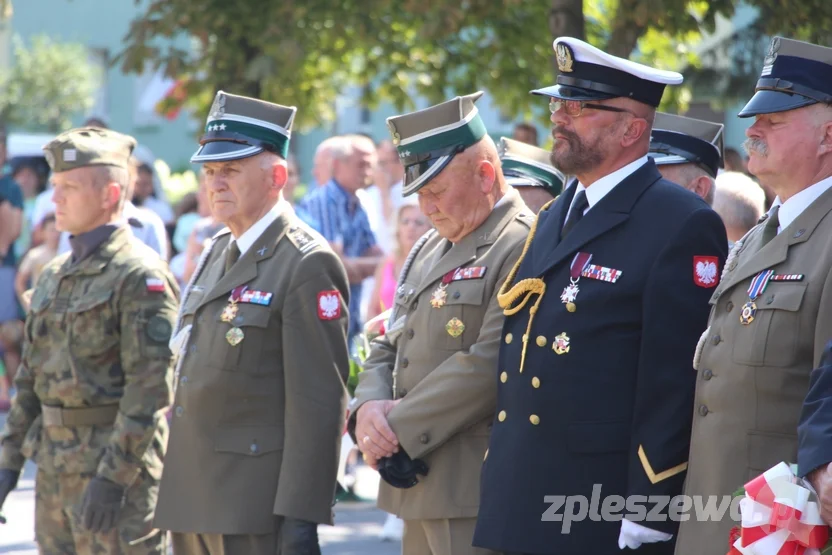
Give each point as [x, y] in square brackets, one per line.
[95, 378]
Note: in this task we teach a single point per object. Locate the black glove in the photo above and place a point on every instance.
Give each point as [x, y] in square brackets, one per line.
[101, 505]
[400, 470]
[8, 481]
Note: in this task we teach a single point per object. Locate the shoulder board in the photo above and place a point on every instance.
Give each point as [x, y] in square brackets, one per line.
[302, 239]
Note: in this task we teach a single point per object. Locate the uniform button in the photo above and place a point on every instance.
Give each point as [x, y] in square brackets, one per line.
[424, 438]
[405, 363]
[716, 339]
[402, 393]
[201, 319]
[707, 375]
[183, 380]
[410, 333]
[509, 337]
[456, 294]
[535, 382]
[534, 419]
[253, 447]
[541, 341]
[504, 377]
[729, 306]
[703, 410]
[501, 416]
[770, 299]
[179, 411]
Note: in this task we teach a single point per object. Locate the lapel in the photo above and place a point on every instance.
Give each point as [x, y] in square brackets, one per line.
[777, 250]
[556, 217]
[610, 212]
[465, 251]
[245, 269]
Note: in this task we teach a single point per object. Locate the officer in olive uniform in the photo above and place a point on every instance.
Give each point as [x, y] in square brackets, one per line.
[603, 313]
[529, 170]
[770, 317]
[262, 362]
[429, 382]
[688, 151]
[94, 381]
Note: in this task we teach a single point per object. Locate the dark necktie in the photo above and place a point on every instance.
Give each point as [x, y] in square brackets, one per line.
[575, 214]
[771, 225]
[232, 253]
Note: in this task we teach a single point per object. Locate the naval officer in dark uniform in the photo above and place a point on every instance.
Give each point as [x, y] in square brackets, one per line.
[604, 310]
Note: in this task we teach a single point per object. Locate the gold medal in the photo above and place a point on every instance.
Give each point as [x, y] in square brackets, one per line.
[229, 312]
[234, 336]
[561, 344]
[455, 327]
[749, 310]
[439, 296]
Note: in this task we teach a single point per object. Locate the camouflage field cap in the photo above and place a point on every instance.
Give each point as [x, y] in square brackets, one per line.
[525, 165]
[681, 140]
[89, 146]
[239, 127]
[795, 74]
[427, 140]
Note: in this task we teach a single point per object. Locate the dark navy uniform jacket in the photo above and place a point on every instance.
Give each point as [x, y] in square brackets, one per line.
[814, 433]
[616, 408]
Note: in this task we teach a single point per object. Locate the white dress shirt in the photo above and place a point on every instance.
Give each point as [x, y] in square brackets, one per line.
[599, 189]
[252, 234]
[794, 207]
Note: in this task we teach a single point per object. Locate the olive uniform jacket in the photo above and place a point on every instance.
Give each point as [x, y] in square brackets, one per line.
[752, 379]
[256, 427]
[446, 379]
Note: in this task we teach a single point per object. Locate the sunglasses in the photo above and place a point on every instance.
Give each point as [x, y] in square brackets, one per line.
[575, 108]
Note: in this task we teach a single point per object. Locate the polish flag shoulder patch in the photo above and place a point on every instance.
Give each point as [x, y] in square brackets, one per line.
[706, 271]
[329, 305]
[154, 285]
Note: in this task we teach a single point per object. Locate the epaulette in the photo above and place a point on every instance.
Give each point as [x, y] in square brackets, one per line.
[302, 239]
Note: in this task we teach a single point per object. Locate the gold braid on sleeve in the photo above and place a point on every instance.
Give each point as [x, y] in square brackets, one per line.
[508, 294]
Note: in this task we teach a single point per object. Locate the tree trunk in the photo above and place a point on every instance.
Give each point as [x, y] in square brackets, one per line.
[566, 19]
[625, 31]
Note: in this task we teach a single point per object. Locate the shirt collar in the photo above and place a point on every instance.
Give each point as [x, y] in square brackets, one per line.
[792, 208]
[252, 234]
[600, 188]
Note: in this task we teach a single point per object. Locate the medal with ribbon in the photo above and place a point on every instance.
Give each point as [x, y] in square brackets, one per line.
[758, 285]
[570, 292]
[230, 310]
[440, 295]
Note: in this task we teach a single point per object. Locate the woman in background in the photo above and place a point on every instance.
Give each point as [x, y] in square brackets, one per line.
[410, 225]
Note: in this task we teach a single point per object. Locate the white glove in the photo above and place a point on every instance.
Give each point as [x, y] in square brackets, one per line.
[633, 535]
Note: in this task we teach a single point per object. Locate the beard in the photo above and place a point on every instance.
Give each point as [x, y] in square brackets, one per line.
[756, 146]
[573, 155]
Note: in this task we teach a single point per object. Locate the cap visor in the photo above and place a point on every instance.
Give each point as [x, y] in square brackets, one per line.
[417, 176]
[662, 159]
[769, 102]
[565, 92]
[218, 151]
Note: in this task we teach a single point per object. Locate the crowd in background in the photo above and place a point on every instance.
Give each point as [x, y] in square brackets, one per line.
[355, 202]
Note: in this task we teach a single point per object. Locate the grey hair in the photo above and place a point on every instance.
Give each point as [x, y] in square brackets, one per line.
[739, 200]
[345, 146]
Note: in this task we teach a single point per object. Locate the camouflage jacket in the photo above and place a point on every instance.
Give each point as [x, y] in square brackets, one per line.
[96, 336]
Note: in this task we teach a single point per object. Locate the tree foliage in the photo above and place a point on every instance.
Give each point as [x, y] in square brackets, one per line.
[47, 83]
[305, 53]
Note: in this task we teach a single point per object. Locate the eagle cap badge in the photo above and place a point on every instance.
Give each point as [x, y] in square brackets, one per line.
[564, 57]
[706, 271]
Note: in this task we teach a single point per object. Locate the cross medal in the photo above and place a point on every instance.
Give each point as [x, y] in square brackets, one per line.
[440, 294]
[570, 292]
[758, 285]
[230, 310]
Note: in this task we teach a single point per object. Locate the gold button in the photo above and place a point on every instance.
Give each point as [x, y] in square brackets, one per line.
[541, 341]
[501, 416]
[509, 337]
[503, 377]
[534, 419]
[535, 383]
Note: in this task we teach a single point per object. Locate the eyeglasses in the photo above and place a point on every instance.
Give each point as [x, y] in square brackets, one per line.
[574, 108]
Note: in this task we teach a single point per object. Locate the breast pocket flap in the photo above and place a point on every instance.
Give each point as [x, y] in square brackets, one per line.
[252, 441]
